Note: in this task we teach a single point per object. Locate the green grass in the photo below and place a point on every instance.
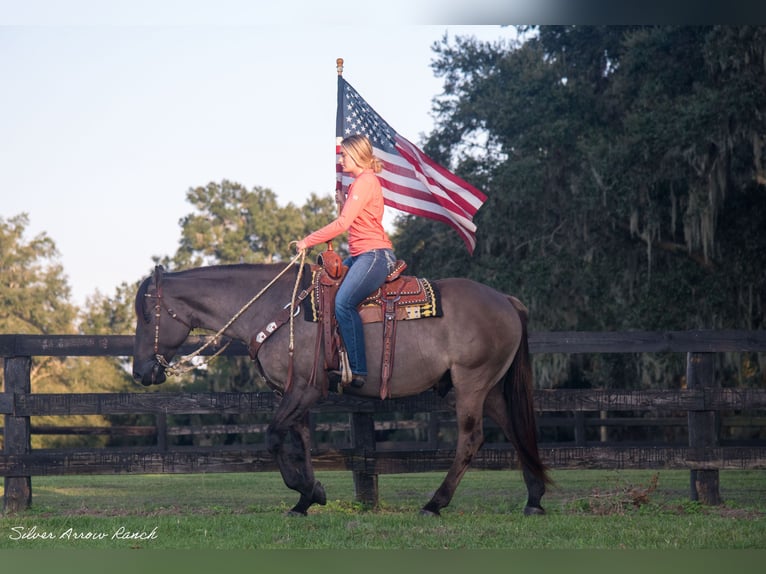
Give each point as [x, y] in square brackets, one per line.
[586, 510]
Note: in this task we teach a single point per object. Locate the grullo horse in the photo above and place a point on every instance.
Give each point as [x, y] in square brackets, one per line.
[478, 347]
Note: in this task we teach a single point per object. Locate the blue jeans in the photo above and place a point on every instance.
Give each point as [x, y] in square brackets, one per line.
[366, 273]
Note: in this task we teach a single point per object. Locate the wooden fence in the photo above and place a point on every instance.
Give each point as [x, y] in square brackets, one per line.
[701, 405]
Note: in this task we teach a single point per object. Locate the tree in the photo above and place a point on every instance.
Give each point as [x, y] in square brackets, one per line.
[624, 170]
[35, 296]
[34, 290]
[110, 315]
[231, 224]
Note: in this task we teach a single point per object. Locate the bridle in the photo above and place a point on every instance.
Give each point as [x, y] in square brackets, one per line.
[157, 306]
[184, 364]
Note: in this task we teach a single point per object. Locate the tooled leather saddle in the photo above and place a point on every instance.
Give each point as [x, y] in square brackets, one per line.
[399, 298]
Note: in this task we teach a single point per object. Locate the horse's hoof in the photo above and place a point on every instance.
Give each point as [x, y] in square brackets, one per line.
[533, 511]
[293, 512]
[426, 512]
[318, 494]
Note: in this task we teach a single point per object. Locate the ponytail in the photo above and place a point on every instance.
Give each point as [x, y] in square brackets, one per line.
[376, 165]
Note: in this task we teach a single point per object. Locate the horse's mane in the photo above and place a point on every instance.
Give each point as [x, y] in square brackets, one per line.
[217, 272]
[227, 267]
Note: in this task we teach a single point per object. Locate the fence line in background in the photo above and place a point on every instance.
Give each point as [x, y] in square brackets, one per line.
[702, 400]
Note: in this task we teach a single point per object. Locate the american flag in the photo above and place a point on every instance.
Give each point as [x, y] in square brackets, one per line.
[411, 181]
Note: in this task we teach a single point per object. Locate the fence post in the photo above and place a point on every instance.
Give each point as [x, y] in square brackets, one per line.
[17, 435]
[703, 431]
[362, 443]
[579, 428]
[161, 424]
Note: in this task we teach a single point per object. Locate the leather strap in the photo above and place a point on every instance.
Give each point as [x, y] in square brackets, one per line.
[389, 341]
[328, 289]
[284, 316]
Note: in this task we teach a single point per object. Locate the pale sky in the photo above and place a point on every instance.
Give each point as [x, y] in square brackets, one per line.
[109, 116]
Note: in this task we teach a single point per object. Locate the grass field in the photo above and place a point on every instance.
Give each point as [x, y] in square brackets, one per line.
[585, 510]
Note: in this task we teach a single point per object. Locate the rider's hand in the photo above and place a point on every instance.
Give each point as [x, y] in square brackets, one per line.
[300, 245]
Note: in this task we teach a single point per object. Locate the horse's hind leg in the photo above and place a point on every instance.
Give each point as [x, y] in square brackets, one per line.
[496, 408]
[470, 438]
[288, 439]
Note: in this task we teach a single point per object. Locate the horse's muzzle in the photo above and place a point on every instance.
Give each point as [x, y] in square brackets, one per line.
[150, 373]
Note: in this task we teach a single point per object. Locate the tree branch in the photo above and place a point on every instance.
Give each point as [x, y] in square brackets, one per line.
[674, 248]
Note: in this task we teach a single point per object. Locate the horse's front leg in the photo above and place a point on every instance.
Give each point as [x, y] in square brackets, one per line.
[289, 441]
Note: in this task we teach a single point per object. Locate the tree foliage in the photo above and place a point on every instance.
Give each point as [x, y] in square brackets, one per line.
[625, 173]
[231, 224]
[35, 295]
[34, 290]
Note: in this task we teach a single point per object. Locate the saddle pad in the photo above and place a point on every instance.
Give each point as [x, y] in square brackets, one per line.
[417, 299]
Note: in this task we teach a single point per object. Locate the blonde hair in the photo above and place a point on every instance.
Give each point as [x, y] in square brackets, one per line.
[359, 148]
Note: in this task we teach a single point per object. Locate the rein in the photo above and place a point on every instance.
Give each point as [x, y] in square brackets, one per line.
[183, 365]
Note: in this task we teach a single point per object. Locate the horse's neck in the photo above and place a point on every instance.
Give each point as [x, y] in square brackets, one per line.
[211, 303]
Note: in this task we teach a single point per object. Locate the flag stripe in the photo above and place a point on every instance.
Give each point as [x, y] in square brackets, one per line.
[437, 175]
[400, 195]
[415, 207]
[438, 193]
[402, 185]
[409, 177]
[408, 200]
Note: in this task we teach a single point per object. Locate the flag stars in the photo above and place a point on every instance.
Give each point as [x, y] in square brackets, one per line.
[361, 119]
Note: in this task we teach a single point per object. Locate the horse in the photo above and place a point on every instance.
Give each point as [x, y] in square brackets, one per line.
[478, 347]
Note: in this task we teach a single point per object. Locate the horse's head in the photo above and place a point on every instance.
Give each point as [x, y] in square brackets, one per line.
[159, 332]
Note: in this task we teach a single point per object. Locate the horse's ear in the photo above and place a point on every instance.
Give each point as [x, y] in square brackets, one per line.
[158, 271]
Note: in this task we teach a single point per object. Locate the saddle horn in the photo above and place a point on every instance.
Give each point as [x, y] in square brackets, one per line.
[331, 262]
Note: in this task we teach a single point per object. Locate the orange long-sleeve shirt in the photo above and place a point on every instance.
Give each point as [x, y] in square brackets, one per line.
[362, 217]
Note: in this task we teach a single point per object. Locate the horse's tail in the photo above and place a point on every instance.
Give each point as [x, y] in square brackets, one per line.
[517, 389]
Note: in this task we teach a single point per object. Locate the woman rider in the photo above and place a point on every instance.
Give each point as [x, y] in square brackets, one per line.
[371, 253]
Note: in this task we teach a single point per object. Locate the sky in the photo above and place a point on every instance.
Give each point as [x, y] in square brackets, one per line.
[110, 114]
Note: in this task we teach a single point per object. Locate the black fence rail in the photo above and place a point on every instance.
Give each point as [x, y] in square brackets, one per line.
[364, 425]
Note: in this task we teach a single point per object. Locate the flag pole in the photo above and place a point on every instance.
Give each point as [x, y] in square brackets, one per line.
[339, 199]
